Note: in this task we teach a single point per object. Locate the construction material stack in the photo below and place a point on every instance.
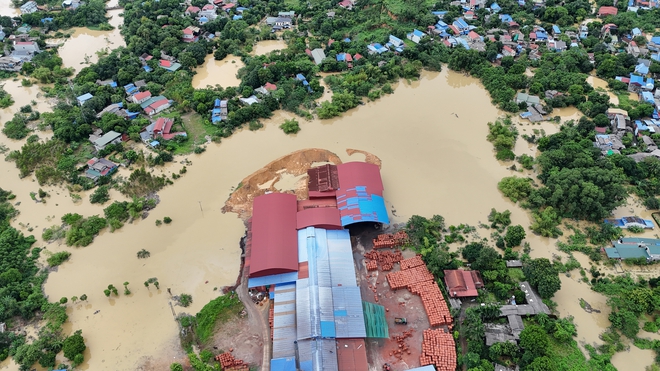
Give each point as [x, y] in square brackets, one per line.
[438, 349]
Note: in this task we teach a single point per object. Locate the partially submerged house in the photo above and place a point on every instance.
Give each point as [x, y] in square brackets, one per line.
[98, 167]
[634, 248]
[219, 111]
[631, 221]
[111, 137]
[162, 127]
[10, 64]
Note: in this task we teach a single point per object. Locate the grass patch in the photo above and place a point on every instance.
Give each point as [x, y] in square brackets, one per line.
[194, 125]
[216, 312]
[292, 3]
[516, 274]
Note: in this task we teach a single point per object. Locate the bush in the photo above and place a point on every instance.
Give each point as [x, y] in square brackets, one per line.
[652, 203]
[206, 355]
[185, 300]
[290, 126]
[74, 346]
[100, 195]
[176, 367]
[515, 188]
[167, 220]
[58, 258]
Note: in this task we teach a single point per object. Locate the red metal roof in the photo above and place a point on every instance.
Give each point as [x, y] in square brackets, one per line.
[142, 95]
[608, 10]
[165, 63]
[320, 217]
[269, 86]
[461, 283]
[323, 178]
[155, 105]
[352, 174]
[351, 355]
[274, 236]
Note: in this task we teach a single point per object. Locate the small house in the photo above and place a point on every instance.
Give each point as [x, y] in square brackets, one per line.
[189, 35]
[416, 36]
[249, 100]
[159, 104]
[141, 97]
[463, 284]
[98, 167]
[10, 64]
[605, 11]
[84, 98]
[318, 55]
[111, 137]
[29, 7]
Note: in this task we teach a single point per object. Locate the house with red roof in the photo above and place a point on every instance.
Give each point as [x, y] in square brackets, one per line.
[189, 35]
[473, 36]
[604, 11]
[228, 7]
[192, 10]
[141, 97]
[346, 4]
[157, 106]
[469, 15]
[463, 284]
[507, 51]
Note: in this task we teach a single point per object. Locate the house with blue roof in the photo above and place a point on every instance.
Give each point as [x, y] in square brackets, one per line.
[646, 96]
[584, 32]
[642, 69]
[236, 17]
[84, 98]
[505, 18]
[555, 30]
[48, 19]
[440, 13]
[636, 32]
[495, 8]
[416, 36]
[541, 35]
[395, 43]
[462, 26]
[376, 48]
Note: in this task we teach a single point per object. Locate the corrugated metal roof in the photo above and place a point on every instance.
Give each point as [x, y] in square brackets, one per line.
[340, 254]
[303, 315]
[317, 355]
[284, 321]
[349, 300]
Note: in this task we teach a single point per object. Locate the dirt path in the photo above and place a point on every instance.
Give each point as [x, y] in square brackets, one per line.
[261, 317]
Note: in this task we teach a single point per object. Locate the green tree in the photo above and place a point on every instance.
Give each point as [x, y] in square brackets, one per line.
[545, 223]
[100, 195]
[514, 235]
[542, 275]
[74, 345]
[290, 126]
[515, 188]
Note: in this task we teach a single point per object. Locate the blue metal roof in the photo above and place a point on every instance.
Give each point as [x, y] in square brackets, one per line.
[555, 29]
[341, 57]
[85, 97]
[418, 33]
[642, 68]
[506, 18]
[283, 364]
[328, 329]
[237, 17]
[273, 279]
[495, 6]
[636, 31]
[655, 39]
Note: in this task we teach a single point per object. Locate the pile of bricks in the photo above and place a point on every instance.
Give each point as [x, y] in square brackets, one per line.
[386, 259]
[372, 265]
[402, 347]
[390, 240]
[438, 349]
[229, 363]
[271, 319]
[419, 281]
[434, 303]
[412, 262]
[408, 277]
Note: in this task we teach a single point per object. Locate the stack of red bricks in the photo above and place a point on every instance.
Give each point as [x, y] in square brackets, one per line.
[418, 280]
[271, 319]
[372, 265]
[229, 363]
[408, 277]
[434, 303]
[386, 259]
[390, 240]
[438, 349]
[411, 262]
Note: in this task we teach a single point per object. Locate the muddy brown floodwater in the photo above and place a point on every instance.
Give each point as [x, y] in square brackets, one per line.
[7, 9]
[267, 46]
[430, 137]
[83, 45]
[214, 72]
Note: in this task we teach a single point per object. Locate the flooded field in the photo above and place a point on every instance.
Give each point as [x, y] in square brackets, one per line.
[7, 9]
[267, 46]
[22, 96]
[91, 42]
[214, 72]
[435, 160]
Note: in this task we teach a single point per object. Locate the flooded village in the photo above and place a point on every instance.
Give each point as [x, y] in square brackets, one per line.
[312, 240]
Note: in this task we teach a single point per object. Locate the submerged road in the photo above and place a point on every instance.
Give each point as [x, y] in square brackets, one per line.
[257, 315]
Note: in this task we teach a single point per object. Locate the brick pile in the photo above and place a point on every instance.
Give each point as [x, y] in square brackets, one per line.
[386, 259]
[229, 363]
[271, 319]
[408, 277]
[419, 281]
[411, 262]
[438, 349]
[372, 265]
[434, 303]
[390, 240]
[402, 346]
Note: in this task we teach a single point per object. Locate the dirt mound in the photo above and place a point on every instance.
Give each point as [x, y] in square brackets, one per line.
[294, 164]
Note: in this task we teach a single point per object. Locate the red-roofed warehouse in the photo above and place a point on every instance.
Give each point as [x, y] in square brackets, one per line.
[274, 235]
